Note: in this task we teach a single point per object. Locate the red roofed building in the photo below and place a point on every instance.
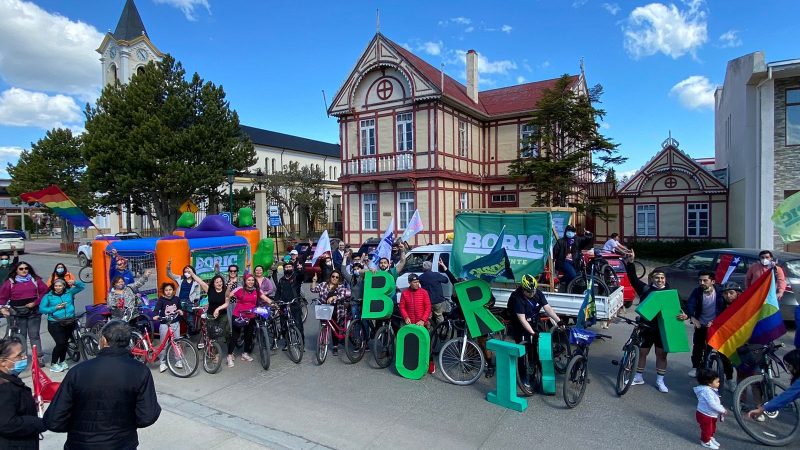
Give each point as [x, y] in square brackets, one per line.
[414, 138]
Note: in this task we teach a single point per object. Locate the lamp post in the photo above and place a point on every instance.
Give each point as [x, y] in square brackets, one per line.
[231, 174]
[327, 197]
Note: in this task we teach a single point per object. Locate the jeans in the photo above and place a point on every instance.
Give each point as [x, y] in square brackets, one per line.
[437, 313]
[60, 335]
[29, 327]
[699, 346]
[569, 272]
[162, 332]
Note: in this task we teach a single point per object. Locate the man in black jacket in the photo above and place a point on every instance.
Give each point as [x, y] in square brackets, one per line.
[288, 288]
[567, 250]
[102, 402]
[704, 305]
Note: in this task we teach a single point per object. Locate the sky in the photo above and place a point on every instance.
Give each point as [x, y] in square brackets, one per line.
[658, 63]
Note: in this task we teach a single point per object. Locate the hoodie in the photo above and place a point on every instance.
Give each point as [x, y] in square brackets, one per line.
[708, 402]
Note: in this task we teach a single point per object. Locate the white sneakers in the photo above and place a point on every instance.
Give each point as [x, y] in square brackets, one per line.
[710, 444]
[162, 368]
[638, 379]
[693, 373]
[246, 357]
[662, 387]
[230, 360]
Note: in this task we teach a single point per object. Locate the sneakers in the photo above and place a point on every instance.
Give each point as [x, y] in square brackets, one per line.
[179, 364]
[230, 360]
[246, 357]
[431, 368]
[56, 367]
[64, 366]
[761, 418]
[693, 373]
[715, 442]
[162, 368]
[730, 385]
[710, 444]
[335, 350]
[201, 344]
[638, 379]
[662, 387]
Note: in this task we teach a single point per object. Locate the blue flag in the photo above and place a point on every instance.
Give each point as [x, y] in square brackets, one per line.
[491, 266]
[587, 316]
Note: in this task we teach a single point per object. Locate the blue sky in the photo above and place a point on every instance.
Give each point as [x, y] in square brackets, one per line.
[658, 62]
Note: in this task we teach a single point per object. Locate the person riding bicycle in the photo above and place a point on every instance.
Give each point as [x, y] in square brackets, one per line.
[247, 296]
[524, 307]
[288, 289]
[218, 302]
[168, 312]
[59, 305]
[792, 361]
[334, 291]
[613, 245]
[568, 249]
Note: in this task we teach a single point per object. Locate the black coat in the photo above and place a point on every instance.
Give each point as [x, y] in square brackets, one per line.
[102, 402]
[19, 424]
[562, 248]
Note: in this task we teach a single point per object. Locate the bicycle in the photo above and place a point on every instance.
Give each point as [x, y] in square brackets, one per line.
[81, 343]
[356, 338]
[559, 342]
[598, 272]
[182, 359]
[713, 360]
[282, 324]
[780, 427]
[12, 329]
[462, 360]
[383, 342]
[531, 368]
[329, 326]
[451, 327]
[630, 356]
[577, 370]
[212, 351]
[262, 336]
[86, 274]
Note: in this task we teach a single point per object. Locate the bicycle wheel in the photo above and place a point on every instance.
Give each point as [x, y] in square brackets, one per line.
[627, 369]
[86, 274]
[714, 362]
[305, 310]
[441, 334]
[263, 347]
[383, 346]
[575, 381]
[73, 349]
[139, 347]
[561, 349]
[322, 343]
[578, 286]
[295, 344]
[212, 357]
[778, 428]
[461, 361]
[531, 380]
[182, 359]
[355, 341]
[641, 270]
[89, 346]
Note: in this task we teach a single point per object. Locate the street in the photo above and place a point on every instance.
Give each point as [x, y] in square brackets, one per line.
[339, 405]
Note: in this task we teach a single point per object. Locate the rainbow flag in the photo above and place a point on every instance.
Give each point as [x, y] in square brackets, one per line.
[55, 199]
[754, 317]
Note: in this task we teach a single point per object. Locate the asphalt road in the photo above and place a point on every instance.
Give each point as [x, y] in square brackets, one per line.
[340, 405]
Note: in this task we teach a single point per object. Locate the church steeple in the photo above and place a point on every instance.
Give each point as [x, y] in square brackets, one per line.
[130, 24]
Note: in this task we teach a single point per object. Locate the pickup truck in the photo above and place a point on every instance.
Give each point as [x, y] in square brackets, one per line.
[564, 304]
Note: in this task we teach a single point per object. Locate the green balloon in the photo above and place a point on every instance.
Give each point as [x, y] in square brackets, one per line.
[265, 255]
[245, 217]
[186, 220]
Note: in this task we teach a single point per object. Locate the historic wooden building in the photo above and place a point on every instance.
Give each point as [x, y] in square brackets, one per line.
[414, 138]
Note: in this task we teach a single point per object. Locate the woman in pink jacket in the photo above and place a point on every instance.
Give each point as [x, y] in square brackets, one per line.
[21, 294]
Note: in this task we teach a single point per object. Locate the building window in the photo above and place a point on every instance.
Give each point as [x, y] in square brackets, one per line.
[330, 172]
[697, 219]
[367, 137]
[139, 70]
[335, 169]
[645, 220]
[273, 165]
[793, 117]
[405, 132]
[370, 207]
[463, 139]
[503, 200]
[405, 208]
[463, 201]
[527, 149]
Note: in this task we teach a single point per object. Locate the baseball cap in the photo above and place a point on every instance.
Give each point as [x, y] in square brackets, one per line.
[293, 252]
[412, 277]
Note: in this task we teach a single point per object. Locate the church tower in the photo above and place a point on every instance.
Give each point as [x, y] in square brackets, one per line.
[127, 50]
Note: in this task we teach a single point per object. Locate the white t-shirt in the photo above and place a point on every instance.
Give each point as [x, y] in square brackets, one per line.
[610, 245]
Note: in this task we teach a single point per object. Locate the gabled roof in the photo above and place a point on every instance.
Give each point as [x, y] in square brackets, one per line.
[130, 24]
[289, 142]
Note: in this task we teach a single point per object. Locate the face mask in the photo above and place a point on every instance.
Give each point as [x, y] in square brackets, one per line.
[570, 234]
[3, 262]
[765, 261]
[60, 271]
[19, 366]
[330, 263]
[357, 272]
[187, 274]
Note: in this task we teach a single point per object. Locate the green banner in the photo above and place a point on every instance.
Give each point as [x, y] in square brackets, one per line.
[203, 261]
[787, 218]
[560, 221]
[527, 240]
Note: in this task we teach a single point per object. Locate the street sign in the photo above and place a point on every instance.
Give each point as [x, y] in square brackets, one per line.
[274, 216]
[188, 206]
[227, 216]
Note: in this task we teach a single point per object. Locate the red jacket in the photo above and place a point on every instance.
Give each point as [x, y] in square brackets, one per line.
[415, 305]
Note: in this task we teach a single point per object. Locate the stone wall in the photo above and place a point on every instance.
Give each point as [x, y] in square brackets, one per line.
[787, 163]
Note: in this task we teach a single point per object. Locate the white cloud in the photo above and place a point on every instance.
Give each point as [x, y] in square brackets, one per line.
[461, 20]
[612, 8]
[8, 155]
[48, 52]
[506, 29]
[730, 38]
[488, 67]
[432, 48]
[521, 79]
[695, 92]
[22, 108]
[605, 125]
[469, 29]
[406, 46]
[578, 3]
[544, 65]
[627, 174]
[657, 27]
[187, 6]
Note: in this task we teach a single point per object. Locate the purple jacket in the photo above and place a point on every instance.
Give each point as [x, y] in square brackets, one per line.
[18, 294]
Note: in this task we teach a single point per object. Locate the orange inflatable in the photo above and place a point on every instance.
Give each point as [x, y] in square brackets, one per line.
[175, 250]
[101, 263]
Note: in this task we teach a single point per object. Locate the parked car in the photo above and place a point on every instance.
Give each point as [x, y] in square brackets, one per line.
[7, 239]
[369, 246]
[19, 233]
[682, 274]
[85, 249]
[617, 262]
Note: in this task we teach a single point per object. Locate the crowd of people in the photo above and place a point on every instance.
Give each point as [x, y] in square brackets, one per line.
[233, 295]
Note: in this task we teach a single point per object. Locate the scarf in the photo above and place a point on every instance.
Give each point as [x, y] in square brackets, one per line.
[24, 279]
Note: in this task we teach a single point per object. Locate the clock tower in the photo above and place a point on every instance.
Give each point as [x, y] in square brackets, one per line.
[128, 49]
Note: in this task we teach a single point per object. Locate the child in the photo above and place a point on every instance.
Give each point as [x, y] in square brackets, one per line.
[709, 407]
[168, 313]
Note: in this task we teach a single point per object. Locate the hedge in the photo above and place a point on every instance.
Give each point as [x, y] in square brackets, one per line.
[668, 251]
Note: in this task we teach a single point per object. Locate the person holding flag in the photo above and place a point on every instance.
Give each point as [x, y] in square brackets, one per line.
[766, 262]
[19, 423]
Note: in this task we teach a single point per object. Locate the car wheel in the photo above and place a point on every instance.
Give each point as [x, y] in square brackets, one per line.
[83, 261]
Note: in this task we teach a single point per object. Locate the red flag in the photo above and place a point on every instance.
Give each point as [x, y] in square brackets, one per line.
[36, 377]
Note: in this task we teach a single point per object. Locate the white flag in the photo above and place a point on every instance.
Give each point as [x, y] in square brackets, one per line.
[384, 249]
[414, 226]
[323, 245]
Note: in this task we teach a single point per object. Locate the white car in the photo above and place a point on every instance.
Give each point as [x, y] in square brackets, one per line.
[85, 249]
[7, 239]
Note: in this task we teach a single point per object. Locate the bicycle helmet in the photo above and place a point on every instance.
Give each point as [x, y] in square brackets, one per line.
[528, 282]
[732, 286]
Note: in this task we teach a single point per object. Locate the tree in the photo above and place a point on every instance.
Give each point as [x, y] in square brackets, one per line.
[569, 152]
[160, 140]
[611, 176]
[298, 189]
[54, 159]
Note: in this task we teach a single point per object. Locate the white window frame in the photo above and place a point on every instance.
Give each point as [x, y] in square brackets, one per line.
[463, 138]
[694, 219]
[531, 150]
[406, 205]
[649, 226]
[367, 133]
[405, 132]
[463, 201]
[369, 208]
[509, 198]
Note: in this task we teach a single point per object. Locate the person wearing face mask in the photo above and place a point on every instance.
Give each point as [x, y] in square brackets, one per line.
[119, 268]
[651, 336]
[23, 291]
[189, 292]
[101, 402]
[264, 281]
[59, 305]
[335, 291]
[338, 254]
[60, 272]
[19, 424]
[567, 250]
[766, 261]
[704, 305]
[326, 268]
[288, 288]
[6, 263]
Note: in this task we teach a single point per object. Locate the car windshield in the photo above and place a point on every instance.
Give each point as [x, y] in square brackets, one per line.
[414, 262]
[793, 268]
[9, 235]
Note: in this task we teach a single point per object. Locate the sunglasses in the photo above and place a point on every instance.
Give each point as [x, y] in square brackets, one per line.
[23, 268]
[334, 276]
[232, 271]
